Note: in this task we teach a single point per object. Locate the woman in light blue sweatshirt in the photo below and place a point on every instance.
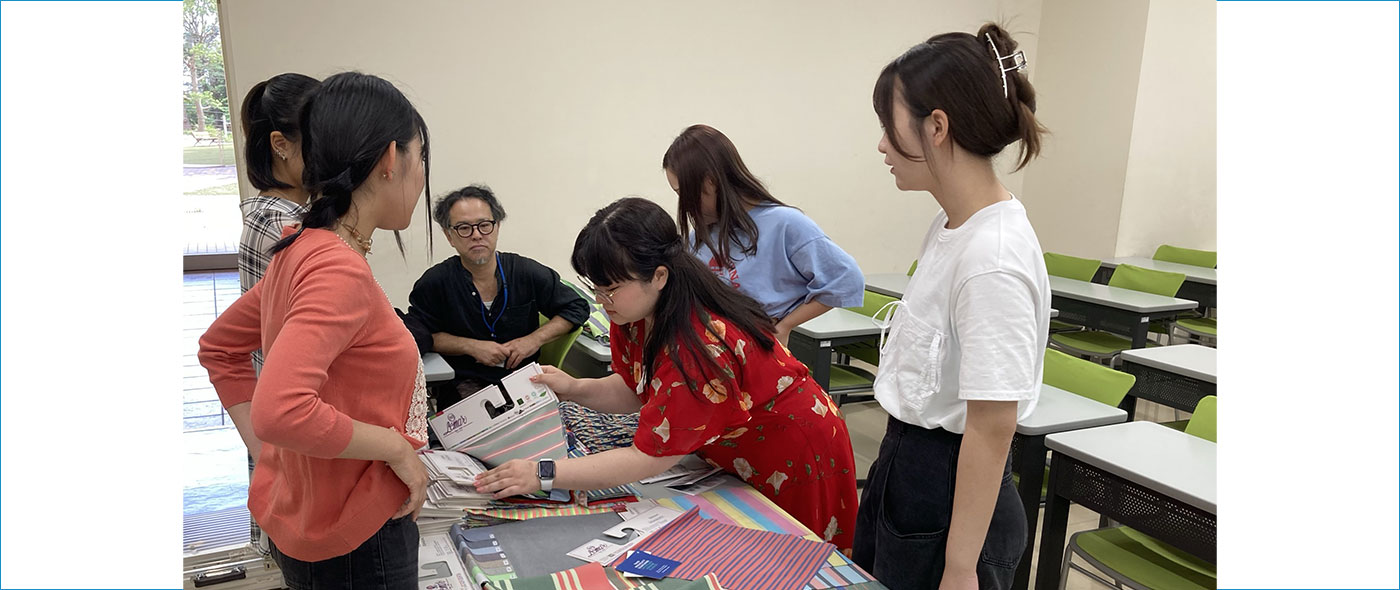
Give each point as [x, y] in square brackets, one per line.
[767, 250]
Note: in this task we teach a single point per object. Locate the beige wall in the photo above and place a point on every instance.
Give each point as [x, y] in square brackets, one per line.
[563, 111]
[1169, 193]
[1127, 89]
[1086, 84]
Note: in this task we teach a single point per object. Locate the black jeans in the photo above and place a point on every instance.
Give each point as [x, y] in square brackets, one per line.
[387, 561]
[902, 525]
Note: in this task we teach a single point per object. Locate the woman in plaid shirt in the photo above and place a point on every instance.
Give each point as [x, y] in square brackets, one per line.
[272, 157]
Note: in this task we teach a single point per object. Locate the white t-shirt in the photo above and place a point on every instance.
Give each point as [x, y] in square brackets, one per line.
[972, 324]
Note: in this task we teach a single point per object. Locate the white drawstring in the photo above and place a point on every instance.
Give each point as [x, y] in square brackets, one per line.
[886, 322]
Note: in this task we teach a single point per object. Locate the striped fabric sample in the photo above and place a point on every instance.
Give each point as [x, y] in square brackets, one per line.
[530, 436]
[709, 582]
[746, 507]
[541, 512]
[742, 558]
[588, 577]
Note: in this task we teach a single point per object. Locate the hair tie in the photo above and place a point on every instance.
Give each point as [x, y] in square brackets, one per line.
[1018, 62]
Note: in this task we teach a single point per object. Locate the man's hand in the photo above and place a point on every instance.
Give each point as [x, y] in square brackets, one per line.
[520, 349]
[486, 352]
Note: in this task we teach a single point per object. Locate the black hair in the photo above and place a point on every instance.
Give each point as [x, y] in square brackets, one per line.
[272, 105]
[443, 209]
[960, 74]
[702, 153]
[629, 240]
[346, 124]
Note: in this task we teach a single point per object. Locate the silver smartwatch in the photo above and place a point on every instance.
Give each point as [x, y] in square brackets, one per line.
[545, 471]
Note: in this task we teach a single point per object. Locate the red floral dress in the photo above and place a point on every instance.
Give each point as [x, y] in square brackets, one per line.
[762, 419]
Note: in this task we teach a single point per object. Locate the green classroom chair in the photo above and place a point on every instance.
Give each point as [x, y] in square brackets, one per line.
[912, 268]
[1069, 267]
[553, 352]
[1197, 329]
[1133, 559]
[846, 377]
[1167, 253]
[1085, 379]
[1096, 345]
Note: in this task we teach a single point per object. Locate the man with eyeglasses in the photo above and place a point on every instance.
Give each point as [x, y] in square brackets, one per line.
[480, 309]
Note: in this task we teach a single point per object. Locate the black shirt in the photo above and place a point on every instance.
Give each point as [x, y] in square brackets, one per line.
[445, 300]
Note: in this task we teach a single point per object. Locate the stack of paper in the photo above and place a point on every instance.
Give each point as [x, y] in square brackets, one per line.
[451, 489]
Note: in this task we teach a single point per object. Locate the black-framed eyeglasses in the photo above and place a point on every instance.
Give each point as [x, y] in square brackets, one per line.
[464, 230]
[587, 284]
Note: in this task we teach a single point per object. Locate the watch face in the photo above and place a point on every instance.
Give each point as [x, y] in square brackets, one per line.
[546, 470]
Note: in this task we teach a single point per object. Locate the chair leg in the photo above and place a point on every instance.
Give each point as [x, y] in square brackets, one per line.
[1064, 568]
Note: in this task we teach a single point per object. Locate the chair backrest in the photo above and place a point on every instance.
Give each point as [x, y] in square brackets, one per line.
[1202, 422]
[873, 302]
[1167, 253]
[1087, 379]
[912, 268]
[553, 352]
[1147, 280]
[1071, 267]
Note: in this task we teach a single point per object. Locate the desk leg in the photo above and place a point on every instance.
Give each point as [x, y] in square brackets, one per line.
[1129, 405]
[1031, 469]
[1052, 534]
[1140, 333]
[817, 358]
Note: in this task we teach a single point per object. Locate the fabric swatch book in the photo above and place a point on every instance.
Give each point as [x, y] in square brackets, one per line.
[517, 419]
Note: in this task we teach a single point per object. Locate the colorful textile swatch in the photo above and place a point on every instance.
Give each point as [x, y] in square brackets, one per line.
[742, 558]
[540, 512]
[746, 507]
[709, 582]
[587, 577]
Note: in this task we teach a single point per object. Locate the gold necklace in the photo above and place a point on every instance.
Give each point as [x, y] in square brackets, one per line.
[364, 242]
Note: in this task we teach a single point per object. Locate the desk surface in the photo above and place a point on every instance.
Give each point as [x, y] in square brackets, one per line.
[1191, 360]
[1058, 410]
[1149, 454]
[1116, 297]
[893, 284]
[887, 283]
[838, 322]
[1195, 274]
[594, 349]
[435, 368]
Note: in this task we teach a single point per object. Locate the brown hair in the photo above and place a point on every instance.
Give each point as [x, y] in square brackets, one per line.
[702, 153]
[959, 74]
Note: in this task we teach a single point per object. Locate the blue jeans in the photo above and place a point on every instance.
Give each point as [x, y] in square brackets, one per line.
[387, 561]
[902, 524]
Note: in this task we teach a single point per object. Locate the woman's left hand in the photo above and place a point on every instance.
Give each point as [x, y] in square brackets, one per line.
[513, 478]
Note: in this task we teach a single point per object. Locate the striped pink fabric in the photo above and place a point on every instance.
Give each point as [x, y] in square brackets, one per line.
[742, 558]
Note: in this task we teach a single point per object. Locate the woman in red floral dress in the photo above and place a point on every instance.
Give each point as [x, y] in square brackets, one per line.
[699, 361]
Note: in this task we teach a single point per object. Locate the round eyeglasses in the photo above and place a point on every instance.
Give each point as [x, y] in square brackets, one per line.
[464, 230]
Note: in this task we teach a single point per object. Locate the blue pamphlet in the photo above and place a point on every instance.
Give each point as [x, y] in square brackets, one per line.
[646, 564]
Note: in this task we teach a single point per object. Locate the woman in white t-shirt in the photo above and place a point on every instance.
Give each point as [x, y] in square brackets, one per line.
[962, 359]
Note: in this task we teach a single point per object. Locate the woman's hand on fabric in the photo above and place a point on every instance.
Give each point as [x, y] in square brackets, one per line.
[513, 478]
